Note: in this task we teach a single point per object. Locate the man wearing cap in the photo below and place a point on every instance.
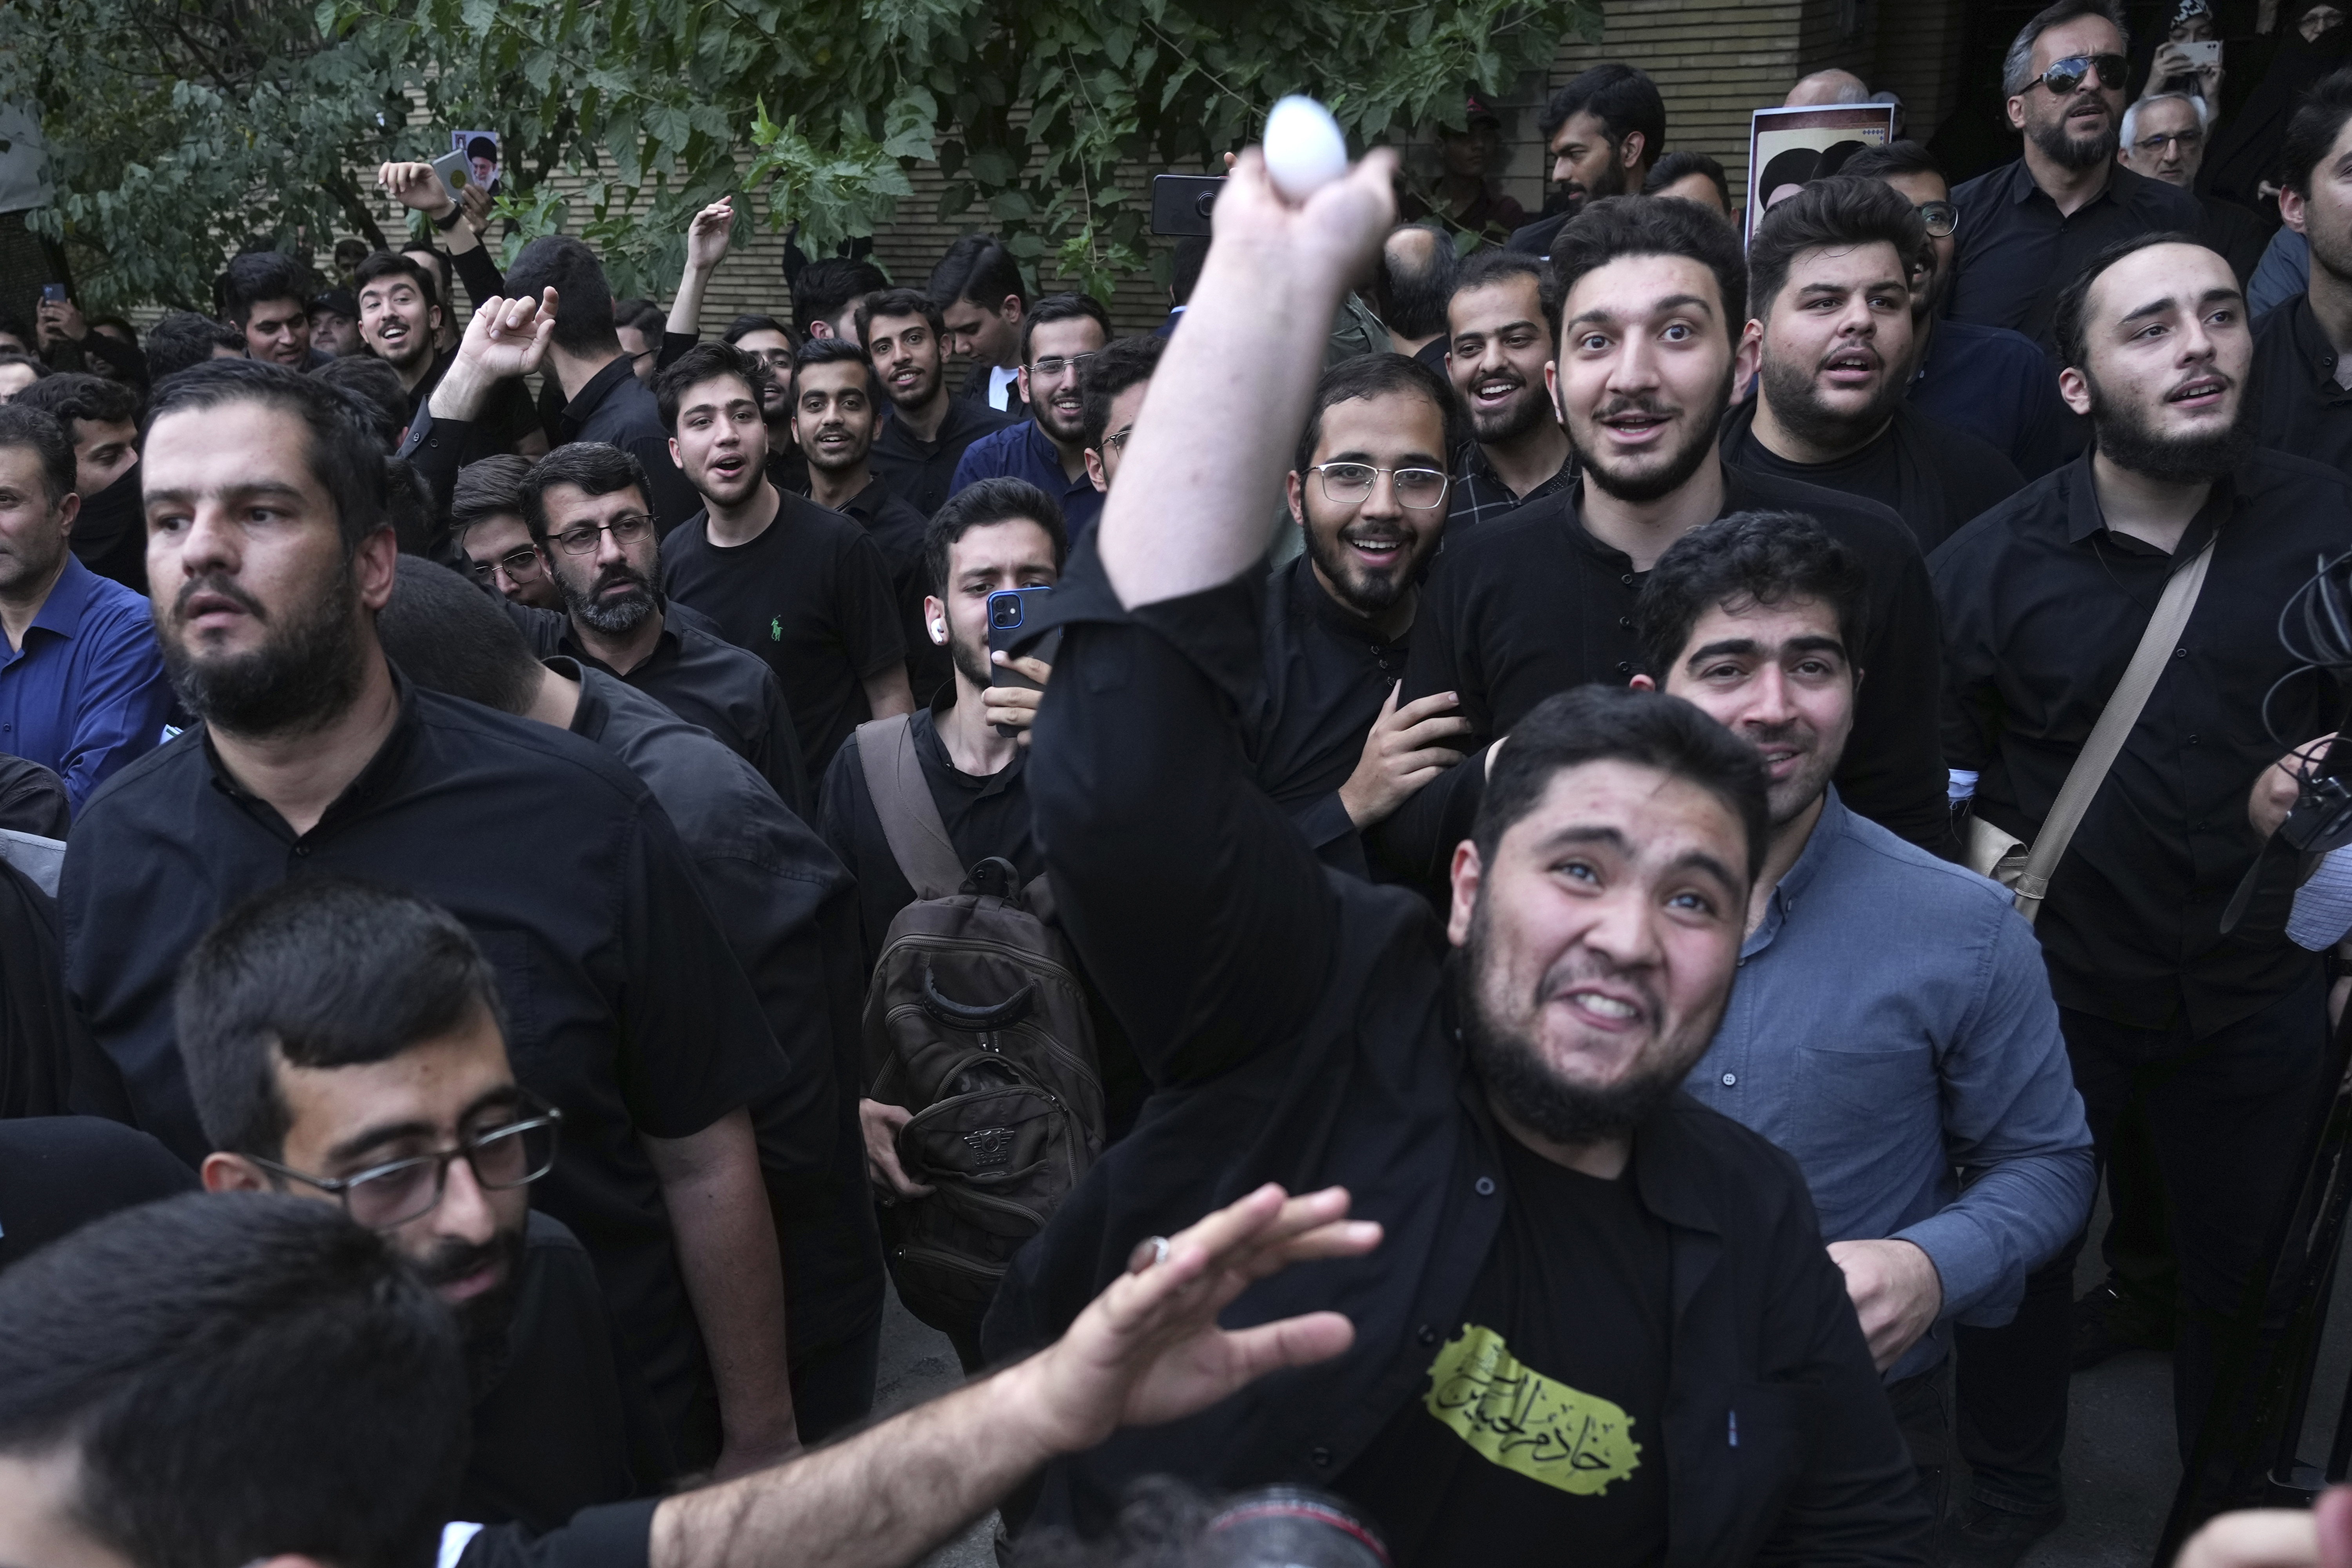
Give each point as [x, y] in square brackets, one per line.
[1461, 198]
[335, 322]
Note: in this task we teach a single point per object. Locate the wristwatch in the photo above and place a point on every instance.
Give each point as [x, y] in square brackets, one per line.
[457, 216]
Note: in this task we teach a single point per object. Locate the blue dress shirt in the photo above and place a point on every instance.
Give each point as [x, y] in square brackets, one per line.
[86, 692]
[1891, 1025]
[1021, 452]
[1998, 387]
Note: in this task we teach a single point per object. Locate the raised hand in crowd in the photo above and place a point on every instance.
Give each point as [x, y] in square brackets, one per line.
[707, 238]
[59, 319]
[505, 337]
[419, 188]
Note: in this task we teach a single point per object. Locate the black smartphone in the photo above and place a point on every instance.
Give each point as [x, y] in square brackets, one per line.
[1008, 613]
[1181, 202]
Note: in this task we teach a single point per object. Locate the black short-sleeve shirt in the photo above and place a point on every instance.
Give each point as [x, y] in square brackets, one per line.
[624, 1006]
[810, 596]
[1933, 477]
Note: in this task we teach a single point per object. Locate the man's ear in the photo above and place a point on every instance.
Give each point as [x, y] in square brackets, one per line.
[935, 619]
[2075, 388]
[375, 567]
[1745, 359]
[1100, 480]
[674, 456]
[2017, 112]
[1466, 875]
[225, 1173]
[2294, 209]
[1294, 489]
[1642, 683]
[1630, 150]
[1010, 309]
[68, 509]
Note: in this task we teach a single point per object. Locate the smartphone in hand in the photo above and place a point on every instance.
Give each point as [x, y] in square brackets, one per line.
[1009, 611]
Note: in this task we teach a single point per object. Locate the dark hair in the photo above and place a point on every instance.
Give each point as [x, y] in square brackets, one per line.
[985, 502]
[409, 506]
[449, 636]
[2017, 65]
[259, 276]
[374, 387]
[1841, 211]
[1746, 558]
[182, 338]
[743, 326]
[1483, 268]
[444, 266]
[1379, 375]
[1676, 166]
[831, 351]
[15, 327]
[239, 1375]
[1411, 299]
[1063, 308]
[897, 303]
[708, 362]
[2066, 324]
[344, 455]
[2318, 121]
[826, 287]
[130, 333]
[1795, 166]
[583, 326]
[1598, 723]
[74, 396]
[323, 972]
[489, 487]
[482, 147]
[396, 264]
[1121, 364]
[23, 425]
[977, 268]
[1184, 272]
[1622, 98]
[1617, 227]
[647, 317]
[597, 468]
[1894, 158]
[40, 371]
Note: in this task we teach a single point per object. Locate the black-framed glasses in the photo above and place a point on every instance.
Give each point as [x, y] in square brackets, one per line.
[520, 564]
[511, 1154]
[2064, 76]
[1116, 440]
[1054, 364]
[626, 529]
[1941, 218]
[2153, 146]
[1345, 484]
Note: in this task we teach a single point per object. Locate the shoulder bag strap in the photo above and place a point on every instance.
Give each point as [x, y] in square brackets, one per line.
[2116, 722]
[917, 834]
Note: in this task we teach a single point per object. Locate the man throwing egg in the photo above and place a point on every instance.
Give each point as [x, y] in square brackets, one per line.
[1603, 1316]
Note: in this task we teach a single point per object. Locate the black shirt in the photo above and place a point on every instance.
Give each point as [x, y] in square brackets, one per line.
[504, 420]
[1328, 672]
[812, 597]
[1532, 603]
[786, 907]
[59, 1172]
[563, 1422]
[2043, 605]
[1296, 1024]
[614, 406]
[1479, 494]
[1539, 1417]
[923, 472]
[2300, 407]
[1933, 477]
[897, 530]
[2017, 251]
[2237, 233]
[624, 1006]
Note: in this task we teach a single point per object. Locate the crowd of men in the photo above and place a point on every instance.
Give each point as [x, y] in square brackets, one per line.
[1380, 890]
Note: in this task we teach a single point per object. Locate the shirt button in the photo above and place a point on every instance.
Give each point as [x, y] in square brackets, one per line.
[1626, 621]
[1425, 1334]
[1484, 1186]
[2181, 653]
[1627, 579]
[1320, 1456]
[1624, 668]
[304, 849]
[1731, 1079]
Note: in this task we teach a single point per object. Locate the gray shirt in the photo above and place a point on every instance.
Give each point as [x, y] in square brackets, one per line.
[1892, 1028]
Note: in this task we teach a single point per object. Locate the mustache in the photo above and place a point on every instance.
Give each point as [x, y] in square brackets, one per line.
[454, 1259]
[620, 572]
[215, 582]
[1643, 404]
[1580, 966]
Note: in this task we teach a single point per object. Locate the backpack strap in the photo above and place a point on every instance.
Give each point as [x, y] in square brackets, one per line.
[911, 824]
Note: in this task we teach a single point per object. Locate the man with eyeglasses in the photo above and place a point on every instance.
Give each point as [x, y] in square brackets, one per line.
[1059, 336]
[1112, 390]
[2163, 138]
[485, 522]
[347, 1044]
[2027, 228]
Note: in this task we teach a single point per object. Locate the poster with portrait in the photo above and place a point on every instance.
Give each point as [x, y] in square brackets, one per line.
[1787, 147]
[481, 150]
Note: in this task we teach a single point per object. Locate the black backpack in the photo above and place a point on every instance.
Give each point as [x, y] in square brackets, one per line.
[976, 1022]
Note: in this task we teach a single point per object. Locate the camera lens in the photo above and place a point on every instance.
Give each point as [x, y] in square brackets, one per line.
[1204, 202]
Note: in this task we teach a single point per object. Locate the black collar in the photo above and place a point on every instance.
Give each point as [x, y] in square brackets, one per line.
[581, 409]
[371, 782]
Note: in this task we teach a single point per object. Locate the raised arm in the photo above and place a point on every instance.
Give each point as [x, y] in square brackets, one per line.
[706, 248]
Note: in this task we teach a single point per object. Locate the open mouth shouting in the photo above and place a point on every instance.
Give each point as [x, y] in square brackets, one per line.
[1855, 365]
[1634, 427]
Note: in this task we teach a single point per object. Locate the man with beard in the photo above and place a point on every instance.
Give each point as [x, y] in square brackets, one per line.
[918, 451]
[269, 551]
[1829, 317]
[1605, 132]
[1638, 1282]
[1334, 748]
[83, 690]
[347, 1044]
[400, 319]
[1892, 1021]
[100, 417]
[1500, 355]
[2027, 228]
[1652, 296]
[2303, 349]
[836, 410]
[1059, 336]
[800, 584]
[1991, 381]
[2220, 1038]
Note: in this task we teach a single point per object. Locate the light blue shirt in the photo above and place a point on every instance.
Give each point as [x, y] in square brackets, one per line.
[1891, 1026]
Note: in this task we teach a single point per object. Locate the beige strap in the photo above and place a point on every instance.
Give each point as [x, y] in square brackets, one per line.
[911, 823]
[2116, 721]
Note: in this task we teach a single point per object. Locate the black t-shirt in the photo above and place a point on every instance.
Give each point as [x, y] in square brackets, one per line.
[1542, 1419]
[897, 530]
[810, 596]
[1933, 477]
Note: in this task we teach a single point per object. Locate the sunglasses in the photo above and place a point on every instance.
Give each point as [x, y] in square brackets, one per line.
[2064, 76]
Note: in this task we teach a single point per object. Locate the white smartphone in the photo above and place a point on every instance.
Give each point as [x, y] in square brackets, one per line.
[2202, 52]
[454, 174]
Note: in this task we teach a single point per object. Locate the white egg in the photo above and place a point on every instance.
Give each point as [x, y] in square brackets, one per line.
[1304, 149]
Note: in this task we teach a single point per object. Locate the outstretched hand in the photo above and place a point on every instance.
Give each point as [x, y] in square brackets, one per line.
[1339, 228]
[708, 235]
[1149, 1350]
[417, 187]
[505, 338]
